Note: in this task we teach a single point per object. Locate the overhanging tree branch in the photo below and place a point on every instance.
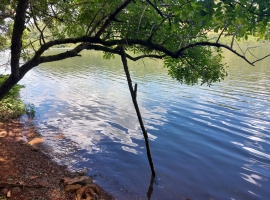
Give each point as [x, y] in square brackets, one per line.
[144, 43]
[112, 17]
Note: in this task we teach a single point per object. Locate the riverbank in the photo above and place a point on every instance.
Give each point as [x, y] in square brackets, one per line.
[27, 173]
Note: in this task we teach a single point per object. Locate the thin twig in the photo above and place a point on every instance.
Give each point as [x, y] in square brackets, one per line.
[141, 19]
[35, 22]
[240, 48]
[260, 59]
[221, 32]
[156, 8]
[152, 34]
[102, 7]
[112, 17]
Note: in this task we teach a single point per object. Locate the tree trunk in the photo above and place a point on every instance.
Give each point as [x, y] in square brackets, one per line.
[16, 41]
[16, 47]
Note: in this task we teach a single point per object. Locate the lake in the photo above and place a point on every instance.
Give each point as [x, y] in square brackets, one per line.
[206, 142]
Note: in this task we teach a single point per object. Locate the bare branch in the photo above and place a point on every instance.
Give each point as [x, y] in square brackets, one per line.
[93, 19]
[31, 42]
[54, 16]
[233, 39]
[133, 42]
[10, 14]
[180, 51]
[156, 8]
[260, 59]
[222, 32]
[251, 11]
[32, 46]
[141, 19]
[36, 25]
[136, 106]
[240, 48]
[248, 49]
[96, 25]
[152, 34]
[116, 51]
[112, 17]
[68, 54]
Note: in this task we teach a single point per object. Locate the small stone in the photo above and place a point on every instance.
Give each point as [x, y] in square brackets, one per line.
[91, 192]
[43, 183]
[4, 191]
[80, 193]
[34, 148]
[33, 177]
[15, 190]
[82, 180]
[71, 188]
[9, 194]
[65, 180]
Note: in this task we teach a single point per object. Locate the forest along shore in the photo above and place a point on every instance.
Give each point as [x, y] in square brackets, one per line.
[27, 173]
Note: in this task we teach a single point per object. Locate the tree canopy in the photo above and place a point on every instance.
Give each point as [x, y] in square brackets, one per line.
[185, 33]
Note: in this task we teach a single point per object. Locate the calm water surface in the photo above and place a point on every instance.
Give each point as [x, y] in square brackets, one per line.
[207, 142]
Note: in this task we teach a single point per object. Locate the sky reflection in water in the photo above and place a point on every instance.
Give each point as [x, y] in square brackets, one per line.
[206, 142]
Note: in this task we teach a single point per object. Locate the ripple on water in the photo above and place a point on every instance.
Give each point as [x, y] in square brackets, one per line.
[207, 142]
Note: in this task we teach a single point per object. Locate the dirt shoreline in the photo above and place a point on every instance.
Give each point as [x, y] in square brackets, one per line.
[26, 173]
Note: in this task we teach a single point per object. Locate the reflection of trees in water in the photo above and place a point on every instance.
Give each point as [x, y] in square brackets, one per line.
[94, 62]
[242, 75]
[149, 70]
[240, 67]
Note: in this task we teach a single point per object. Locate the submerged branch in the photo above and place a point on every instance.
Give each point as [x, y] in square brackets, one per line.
[133, 93]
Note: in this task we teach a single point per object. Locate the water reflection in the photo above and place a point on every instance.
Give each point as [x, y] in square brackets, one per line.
[150, 189]
[206, 142]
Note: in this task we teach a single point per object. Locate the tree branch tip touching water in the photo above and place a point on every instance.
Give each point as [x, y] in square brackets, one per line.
[133, 93]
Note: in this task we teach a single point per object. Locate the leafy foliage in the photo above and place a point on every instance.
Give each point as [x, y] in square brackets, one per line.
[12, 106]
[199, 64]
[188, 35]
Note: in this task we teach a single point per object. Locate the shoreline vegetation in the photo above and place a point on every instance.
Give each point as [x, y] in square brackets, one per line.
[11, 106]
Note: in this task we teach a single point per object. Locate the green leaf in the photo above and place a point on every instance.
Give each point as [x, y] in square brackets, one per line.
[202, 23]
[189, 7]
[216, 29]
[203, 13]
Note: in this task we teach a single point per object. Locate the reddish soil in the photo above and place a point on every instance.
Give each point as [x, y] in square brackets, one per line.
[28, 174]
